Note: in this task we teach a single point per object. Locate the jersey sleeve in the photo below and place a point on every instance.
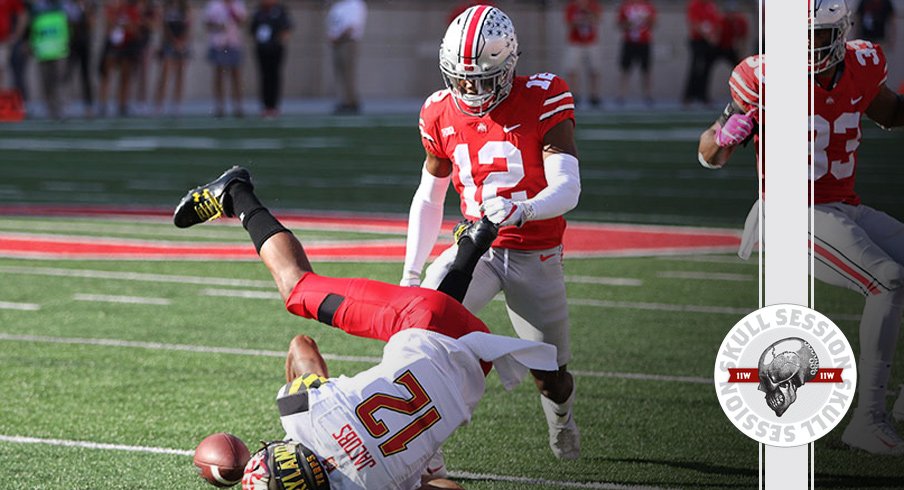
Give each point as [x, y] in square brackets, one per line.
[872, 67]
[556, 102]
[428, 124]
[745, 82]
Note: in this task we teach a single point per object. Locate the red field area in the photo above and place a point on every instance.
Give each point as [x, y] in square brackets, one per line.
[581, 239]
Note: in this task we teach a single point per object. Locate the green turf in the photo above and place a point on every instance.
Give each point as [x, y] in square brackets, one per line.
[635, 432]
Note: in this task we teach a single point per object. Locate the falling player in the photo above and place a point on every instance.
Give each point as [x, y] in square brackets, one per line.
[379, 428]
[854, 245]
[506, 143]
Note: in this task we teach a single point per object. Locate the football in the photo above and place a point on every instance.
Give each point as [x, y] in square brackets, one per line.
[221, 459]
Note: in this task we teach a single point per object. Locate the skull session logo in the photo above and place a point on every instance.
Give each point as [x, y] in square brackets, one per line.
[785, 375]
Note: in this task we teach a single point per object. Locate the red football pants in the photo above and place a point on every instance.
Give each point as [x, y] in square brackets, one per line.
[377, 310]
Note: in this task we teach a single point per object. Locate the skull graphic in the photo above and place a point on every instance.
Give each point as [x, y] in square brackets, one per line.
[784, 367]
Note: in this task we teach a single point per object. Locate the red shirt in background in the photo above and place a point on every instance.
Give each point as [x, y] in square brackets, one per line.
[636, 17]
[703, 20]
[733, 29]
[583, 20]
[9, 9]
[123, 19]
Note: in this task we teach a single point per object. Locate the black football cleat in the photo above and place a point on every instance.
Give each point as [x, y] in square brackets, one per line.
[209, 201]
[482, 233]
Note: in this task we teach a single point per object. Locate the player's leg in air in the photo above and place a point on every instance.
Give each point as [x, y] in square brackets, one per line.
[337, 301]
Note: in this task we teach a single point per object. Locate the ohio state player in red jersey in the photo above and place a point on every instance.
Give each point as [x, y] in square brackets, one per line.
[507, 145]
[854, 245]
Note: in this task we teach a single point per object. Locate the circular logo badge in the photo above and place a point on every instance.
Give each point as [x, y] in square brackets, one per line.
[785, 375]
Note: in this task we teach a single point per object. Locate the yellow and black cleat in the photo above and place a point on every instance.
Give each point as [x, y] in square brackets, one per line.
[483, 232]
[208, 202]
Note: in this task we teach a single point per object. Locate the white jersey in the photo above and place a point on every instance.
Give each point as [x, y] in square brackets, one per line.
[379, 428]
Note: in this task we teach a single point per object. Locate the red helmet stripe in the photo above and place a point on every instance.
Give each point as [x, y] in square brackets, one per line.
[469, 49]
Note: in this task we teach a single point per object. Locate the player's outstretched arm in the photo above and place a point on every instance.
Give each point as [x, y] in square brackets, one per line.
[887, 109]
[425, 216]
[710, 154]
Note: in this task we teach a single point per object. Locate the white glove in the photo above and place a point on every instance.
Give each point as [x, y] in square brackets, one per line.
[410, 279]
[503, 212]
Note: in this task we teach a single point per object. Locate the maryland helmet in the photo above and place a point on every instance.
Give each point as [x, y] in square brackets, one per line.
[478, 57]
[284, 464]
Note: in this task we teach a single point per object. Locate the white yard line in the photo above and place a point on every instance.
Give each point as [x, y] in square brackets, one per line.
[135, 276]
[707, 276]
[238, 293]
[604, 281]
[135, 300]
[5, 305]
[281, 354]
[465, 475]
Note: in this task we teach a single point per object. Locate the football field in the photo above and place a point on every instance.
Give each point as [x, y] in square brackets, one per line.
[124, 341]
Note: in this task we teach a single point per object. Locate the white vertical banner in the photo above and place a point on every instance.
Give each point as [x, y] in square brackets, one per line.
[786, 215]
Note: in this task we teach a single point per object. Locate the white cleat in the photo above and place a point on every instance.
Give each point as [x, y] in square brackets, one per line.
[564, 436]
[873, 435]
[898, 411]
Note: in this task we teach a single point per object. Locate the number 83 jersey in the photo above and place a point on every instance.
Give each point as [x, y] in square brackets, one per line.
[501, 152]
[836, 121]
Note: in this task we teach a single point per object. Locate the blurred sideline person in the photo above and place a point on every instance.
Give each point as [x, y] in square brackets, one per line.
[733, 34]
[636, 18]
[583, 51]
[224, 20]
[855, 246]
[345, 23]
[82, 17]
[120, 52]
[13, 23]
[49, 41]
[877, 21]
[270, 28]
[394, 415]
[175, 40]
[703, 30]
[507, 145]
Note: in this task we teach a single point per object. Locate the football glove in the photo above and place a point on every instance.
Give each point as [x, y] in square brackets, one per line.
[503, 212]
[736, 129]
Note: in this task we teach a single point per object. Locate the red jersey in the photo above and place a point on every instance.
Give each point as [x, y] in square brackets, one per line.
[583, 22]
[636, 19]
[836, 122]
[501, 152]
[733, 29]
[703, 19]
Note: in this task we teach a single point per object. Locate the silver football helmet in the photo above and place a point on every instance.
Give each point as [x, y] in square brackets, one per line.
[833, 15]
[478, 57]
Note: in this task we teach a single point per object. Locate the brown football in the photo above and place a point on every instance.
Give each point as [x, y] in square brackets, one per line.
[221, 459]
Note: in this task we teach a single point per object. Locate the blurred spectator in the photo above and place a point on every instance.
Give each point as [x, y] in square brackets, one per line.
[81, 15]
[270, 27]
[173, 53]
[582, 18]
[146, 27]
[13, 22]
[636, 19]
[703, 29]
[122, 19]
[344, 28]
[733, 32]
[224, 19]
[49, 41]
[876, 21]
[461, 7]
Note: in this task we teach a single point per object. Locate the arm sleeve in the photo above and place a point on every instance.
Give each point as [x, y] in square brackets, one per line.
[562, 192]
[424, 221]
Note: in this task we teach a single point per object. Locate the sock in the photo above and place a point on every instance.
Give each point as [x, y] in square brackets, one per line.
[256, 218]
[457, 280]
[879, 327]
[557, 413]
